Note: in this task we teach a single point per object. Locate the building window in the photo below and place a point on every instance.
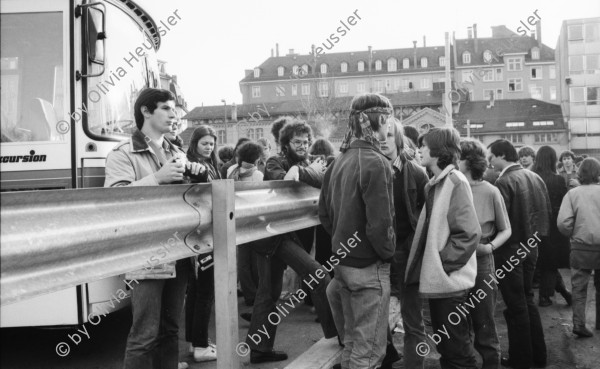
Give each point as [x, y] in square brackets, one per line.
[344, 67]
[536, 73]
[514, 138]
[323, 68]
[552, 72]
[442, 61]
[499, 94]
[535, 53]
[514, 64]
[499, 74]
[592, 64]
[392, 65]
[593, 96]
[305, 70]
[295, 70]
[475, 125]
[405, 85]
[250, 133]
[576, 64]
[220, 137]
[536, 92]
[423, 62]
[343, 87]
[255, 91]
[361, 66]
[256, 72]
[466, 57]
[396, 84]
[552, 92]
[488, 94]
[305, 89]
[577, 94]
[576, 32]
[378, 86]
[360, 87]
[592, 32]
[467, 76]
[488, 75]
[543, 123]
[515, 124]
[405, 63]
[377, 64]
[280, 71]
[323, 89]
[259, 133]
[294, 90]
[515, 84]
[280, 90]
[426, 84]
[545, 137]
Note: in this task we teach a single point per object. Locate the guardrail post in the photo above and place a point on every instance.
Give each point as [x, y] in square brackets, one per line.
[223, 222]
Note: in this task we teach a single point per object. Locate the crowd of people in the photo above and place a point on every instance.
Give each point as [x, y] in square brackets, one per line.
[411, 225]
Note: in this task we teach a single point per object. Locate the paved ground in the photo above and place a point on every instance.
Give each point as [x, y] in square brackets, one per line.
[35, 348]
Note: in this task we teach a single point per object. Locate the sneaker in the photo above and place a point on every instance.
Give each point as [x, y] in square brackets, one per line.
[205, 353]
[582, 332]
[182, 365]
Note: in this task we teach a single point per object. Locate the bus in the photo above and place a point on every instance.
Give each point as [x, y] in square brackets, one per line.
[70, 73]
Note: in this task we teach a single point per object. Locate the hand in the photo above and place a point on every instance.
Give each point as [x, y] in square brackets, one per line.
[195, 168]
[484, 249]
[319, 165]
[292, 174]
[171, 171]
[574, 183]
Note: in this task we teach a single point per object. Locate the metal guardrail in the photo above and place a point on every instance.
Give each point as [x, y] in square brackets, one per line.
[52, 240]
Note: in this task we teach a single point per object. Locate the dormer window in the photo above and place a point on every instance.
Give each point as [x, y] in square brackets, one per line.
[423, 62]
[377, 64]
[344, 67]
[323, 68]
[442, 61]
[361, 66]
[535, 53]
[295, 70]
[256, 72]
[405, 63]
[280, 71]
[305, 69]
[392, 65]
[466, 57]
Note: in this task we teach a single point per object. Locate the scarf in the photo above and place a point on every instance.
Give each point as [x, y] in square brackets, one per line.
[359, 118]
[245, 171]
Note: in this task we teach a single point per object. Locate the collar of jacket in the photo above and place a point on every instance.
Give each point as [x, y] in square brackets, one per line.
[435, 180]
[400, 161]
[139, 142]
[362, 144]
[510, 168]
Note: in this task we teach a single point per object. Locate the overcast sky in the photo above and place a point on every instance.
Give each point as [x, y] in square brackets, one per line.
[215, 41]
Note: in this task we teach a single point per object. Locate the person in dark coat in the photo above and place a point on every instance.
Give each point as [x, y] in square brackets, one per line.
[554, 249]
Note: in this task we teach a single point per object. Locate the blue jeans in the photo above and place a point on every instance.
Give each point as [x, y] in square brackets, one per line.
[526, 344]
[482, 315]
[156, 305]
[270, 276]
[360, 301]
[198, 306]
[579, 282]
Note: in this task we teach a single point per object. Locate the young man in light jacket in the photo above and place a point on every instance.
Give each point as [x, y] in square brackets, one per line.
[148, 159]
[442, 256]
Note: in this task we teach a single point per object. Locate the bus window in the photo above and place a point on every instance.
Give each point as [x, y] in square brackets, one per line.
[111, 96]
[32, 77]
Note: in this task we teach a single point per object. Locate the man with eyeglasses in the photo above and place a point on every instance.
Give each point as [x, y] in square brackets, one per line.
[277, 252]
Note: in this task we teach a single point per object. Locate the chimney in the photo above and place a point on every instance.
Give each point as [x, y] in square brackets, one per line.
[272, 53]
[314, 54]
[370, 57]
[234, 116]
[291, 52]
[424, 41]
[538, 32]
[469, 33]
[415, 53]
[475, 36]
[277, 50]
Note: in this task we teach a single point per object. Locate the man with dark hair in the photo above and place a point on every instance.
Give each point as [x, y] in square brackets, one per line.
[277, 125]
[147, 159]
[233, 160]
[356, 208]
[442, 256]
[528, 207]
[527, 157]
[225, 154]
[277, 252]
